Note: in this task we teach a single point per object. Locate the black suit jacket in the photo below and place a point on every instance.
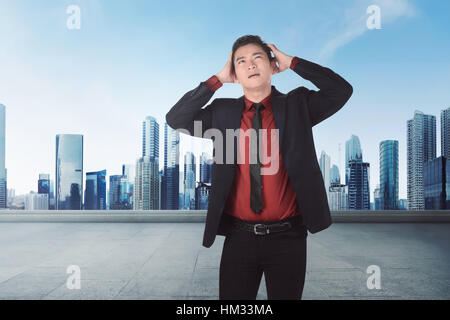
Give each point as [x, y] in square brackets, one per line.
[295, 113]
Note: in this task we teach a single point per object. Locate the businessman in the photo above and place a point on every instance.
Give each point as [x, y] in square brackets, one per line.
[264, 214]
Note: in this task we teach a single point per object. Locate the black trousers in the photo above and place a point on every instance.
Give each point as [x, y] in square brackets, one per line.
[280, 256]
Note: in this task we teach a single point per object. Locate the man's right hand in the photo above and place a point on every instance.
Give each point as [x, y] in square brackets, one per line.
[225, 75]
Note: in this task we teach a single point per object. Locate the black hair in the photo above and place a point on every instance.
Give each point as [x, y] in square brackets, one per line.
[247, 39]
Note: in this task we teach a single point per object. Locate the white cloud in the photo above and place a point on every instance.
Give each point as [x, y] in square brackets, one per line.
[354, 22]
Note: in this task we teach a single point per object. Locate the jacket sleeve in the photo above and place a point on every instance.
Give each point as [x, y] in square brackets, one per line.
[334, 91]
[187, 114]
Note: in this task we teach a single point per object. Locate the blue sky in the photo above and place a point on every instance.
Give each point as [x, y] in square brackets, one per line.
[131, 59]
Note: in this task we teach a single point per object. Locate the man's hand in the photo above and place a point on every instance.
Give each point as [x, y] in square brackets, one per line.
[284, 60]
[225, 75]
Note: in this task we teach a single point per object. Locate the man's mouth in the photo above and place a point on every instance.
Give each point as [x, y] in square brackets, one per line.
[253, 75]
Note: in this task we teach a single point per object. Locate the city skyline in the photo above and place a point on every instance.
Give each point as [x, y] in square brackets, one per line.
[60, 81]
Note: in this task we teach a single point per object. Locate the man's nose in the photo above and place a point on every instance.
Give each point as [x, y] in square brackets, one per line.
[252, 66]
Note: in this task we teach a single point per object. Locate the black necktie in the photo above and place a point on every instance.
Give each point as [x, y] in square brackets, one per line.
[255, 169]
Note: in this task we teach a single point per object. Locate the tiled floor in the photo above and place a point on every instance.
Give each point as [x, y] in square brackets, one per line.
[168, 261]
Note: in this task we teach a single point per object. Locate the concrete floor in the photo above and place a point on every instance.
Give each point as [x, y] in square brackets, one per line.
[167, 261]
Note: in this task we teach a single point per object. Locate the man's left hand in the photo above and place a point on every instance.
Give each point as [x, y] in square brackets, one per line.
[284, 60]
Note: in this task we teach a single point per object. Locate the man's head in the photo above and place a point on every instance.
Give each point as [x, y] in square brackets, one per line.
[251, 62]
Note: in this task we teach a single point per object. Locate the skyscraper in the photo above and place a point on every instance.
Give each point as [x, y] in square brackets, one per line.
[69, 171]
[337, 197]
[445, 133]
[324, 163]
[146, 187]
[44, 186]
[3, 178]
[150, 138]
[205, 168]
[358, 186]
[436, 177]
[147, 183]
[421, 147]
[352, 152]
[335, 177]
[95, 194]
[389, 175]
[171, 176]
[189, 181]
[203, 188]
[127, 185]
[377, 198]
[36, 201]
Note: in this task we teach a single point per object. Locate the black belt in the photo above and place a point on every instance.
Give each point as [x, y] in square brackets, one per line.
[264, 229]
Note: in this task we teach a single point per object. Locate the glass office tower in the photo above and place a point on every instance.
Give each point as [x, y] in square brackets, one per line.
[421, 147]
[95, 194]
[44, 185]
[389, 175]
[69, 171]
[358, 186]
[437, 184]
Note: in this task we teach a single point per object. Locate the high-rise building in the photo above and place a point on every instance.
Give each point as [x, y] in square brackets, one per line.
[150, 138]
[95, 194]
[335, 177]
[324, 163]
[445, 133]
[52, 202]
[436, 176]
[146, 187]
[352, 152]
[389, 175]
[358, 186]
[202, 195]
[44, 186]
[147, 183]
[206, 163]
[3, 173]
[403, 204]
[127, 185]
[376, 198]
[170, 184]
[189, 181]
[421, 147]
[114, 192]
[204, 185]
[337, 197]
[36, 201]
[69, 171]
[11, 196]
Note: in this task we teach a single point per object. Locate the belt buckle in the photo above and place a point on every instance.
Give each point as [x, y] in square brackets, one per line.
[256, 232]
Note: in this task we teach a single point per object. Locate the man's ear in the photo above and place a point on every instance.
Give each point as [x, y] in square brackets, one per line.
[274, 67]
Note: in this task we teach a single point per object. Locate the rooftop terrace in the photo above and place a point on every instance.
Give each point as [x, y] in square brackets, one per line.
[159, 255]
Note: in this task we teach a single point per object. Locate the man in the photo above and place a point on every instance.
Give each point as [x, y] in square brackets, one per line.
[263, 216]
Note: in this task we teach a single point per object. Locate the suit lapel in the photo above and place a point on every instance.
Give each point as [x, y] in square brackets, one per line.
[279, 115]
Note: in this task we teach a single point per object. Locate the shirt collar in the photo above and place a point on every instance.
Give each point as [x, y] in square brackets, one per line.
[267, 102]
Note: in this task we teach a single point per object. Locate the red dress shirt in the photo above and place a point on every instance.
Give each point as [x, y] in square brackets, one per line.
[278, 195]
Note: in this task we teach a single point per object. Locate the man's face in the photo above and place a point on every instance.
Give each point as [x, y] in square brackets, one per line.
[252, 67]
